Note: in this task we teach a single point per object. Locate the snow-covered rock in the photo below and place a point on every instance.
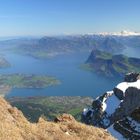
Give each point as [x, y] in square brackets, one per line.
[125, 85]
[113, 106]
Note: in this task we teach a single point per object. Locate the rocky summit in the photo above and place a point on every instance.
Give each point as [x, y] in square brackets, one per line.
[14, 126]
[118, 109]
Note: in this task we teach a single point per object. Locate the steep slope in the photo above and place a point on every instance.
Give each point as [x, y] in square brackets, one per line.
[14, 126]
[110, 65]
[119, 107]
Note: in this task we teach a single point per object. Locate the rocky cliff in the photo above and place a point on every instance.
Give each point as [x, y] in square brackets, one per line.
[118, 108]
[14, 126]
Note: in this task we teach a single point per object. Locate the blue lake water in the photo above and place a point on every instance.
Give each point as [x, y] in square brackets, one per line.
[132, 52]
[74, 81]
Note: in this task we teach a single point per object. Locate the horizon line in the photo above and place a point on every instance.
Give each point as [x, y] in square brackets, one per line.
[121, 33]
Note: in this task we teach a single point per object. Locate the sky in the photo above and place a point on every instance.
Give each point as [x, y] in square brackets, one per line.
[56, 17]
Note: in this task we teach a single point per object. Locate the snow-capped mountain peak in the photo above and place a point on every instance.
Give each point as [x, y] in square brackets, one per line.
[122, 33]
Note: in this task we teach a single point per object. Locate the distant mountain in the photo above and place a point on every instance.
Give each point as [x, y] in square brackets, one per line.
[52, 46]
[111, 45]
[110, 65]
[56, 45]
[118, 110]
[122, 33]
[77, 43]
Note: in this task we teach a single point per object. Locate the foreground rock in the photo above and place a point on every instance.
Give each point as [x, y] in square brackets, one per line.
[119, 107]
[14, 126]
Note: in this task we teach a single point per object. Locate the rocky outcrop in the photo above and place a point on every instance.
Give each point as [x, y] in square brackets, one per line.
[64, 118]
[132, 77]
[14, 126]
[118, 107]
[128, 105]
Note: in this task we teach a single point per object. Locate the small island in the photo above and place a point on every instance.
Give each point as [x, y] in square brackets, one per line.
[27, 81]
[109, 65]
[4, 63]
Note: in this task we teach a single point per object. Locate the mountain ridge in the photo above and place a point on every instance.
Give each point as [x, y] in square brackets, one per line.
[109, 65]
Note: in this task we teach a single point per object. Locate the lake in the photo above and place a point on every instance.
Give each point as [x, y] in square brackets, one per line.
[66, 68]
[132, 52]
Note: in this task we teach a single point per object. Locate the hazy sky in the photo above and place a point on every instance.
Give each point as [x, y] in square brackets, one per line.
[49, 17]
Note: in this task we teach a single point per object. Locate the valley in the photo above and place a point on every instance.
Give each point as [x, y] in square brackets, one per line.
[50, 107]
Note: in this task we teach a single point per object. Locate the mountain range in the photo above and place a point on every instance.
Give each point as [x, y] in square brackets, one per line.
[49, 46]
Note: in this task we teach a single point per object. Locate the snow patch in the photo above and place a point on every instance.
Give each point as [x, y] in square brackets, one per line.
[104, 106]
[124, 85]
